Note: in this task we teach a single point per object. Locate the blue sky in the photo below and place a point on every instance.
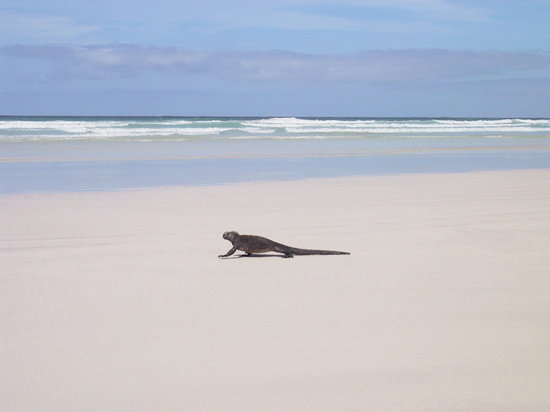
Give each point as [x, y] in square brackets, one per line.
[284, 57]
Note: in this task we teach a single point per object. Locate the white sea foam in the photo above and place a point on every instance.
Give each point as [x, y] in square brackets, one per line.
[166, 132]
[475, 122]
[412, 129]
[55, 124]
[253, 130]
[284, 122]
[534, 121]
[280, 128]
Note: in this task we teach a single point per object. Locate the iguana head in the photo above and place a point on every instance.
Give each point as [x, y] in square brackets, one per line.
[230, 235]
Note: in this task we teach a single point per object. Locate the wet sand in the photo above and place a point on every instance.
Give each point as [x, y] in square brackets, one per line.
[117, 301]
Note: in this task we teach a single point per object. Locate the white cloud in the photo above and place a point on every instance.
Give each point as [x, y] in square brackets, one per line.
[422, 15]
[107, 61]
[442, 9]
[21, 28]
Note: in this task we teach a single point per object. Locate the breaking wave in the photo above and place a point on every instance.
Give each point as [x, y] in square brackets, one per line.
[21, 129]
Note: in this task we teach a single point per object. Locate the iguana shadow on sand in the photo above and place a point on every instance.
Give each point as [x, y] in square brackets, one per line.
[256, 244]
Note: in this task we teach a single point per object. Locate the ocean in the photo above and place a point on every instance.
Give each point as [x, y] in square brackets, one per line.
[52, 154]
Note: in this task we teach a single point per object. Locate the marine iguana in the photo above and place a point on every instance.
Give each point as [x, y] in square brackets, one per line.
[256, 244]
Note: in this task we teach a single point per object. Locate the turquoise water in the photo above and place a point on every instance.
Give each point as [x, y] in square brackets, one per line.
[155, 129]
[51, 154]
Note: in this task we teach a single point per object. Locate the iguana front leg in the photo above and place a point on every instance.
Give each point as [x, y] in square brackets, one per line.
[231, 251]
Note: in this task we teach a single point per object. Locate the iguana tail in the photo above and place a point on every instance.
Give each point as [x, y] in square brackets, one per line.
[297, 251]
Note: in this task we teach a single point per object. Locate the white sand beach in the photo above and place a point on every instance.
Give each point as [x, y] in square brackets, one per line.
[117, 301]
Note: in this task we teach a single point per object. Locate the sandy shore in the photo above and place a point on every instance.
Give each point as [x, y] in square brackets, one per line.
[116, 301]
